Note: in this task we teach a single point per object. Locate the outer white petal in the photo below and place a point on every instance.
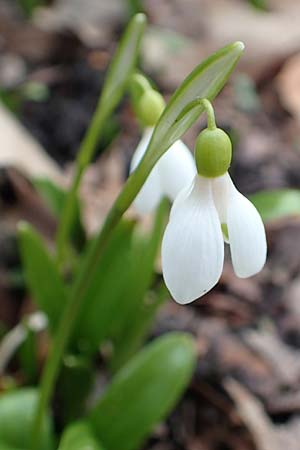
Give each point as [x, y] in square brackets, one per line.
[247, 235]
[151, 193]
[192, 247]
[221, 187]
[177, 169]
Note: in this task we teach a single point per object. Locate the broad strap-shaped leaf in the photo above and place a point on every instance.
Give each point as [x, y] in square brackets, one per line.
[276, 204]
[205, 81]
[43, 279]
[143, 392]
[76, 379]
[79, 436]
[127, 344]
[16, 415]
[138, 306]
[105, 293]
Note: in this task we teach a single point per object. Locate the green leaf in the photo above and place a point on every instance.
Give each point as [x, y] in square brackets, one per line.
[79, 436]
[137, 310]
[137, 329]
[106, 288]
[55, 198]
[16, 414]
[205, 81]
[144, 392]
[43, 280]
[123, 64]
[75, 382]
[277, 204]
[53, 195]
[3, 446]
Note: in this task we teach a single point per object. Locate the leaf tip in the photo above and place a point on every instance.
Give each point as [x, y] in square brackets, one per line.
[239, 45]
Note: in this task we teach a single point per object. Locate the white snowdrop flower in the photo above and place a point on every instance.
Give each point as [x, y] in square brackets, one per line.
[173, 171]
[207, 212]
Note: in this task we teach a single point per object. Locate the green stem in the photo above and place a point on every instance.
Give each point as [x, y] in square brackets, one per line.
[211, 120]
[73, 307]
[206, 106]
[85, 154]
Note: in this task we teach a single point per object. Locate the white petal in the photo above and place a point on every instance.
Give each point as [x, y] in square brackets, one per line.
[141, 148]
[192, 247]
[221, 187]
[151, 193]
[177, 169]
[247, 235]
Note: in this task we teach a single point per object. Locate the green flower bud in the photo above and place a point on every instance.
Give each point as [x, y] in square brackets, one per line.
[213, 152]
[150, 107]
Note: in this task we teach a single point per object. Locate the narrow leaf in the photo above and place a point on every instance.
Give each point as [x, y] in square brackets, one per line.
[74, 384]
[79, 436]
[206, 81]
[123, 63]
[43, 279]
[277, 204]
[143, 392]
[106, 289]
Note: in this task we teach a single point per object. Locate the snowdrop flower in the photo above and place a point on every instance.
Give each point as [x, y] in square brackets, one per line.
[205, 214]
[174, 170]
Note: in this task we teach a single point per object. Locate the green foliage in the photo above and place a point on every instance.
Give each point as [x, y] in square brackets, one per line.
[43, 279]
[16, 413]
[102, 298]
[122, 65]
[143, 392]
[137, 328]
[74, 384]
[137, 313]
[115, 302]
[4, 446]
[79, 436]
[277, 203]
[28, 356]
[55, 198]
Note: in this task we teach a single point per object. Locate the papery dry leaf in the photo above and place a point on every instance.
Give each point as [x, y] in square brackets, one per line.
[20, 150]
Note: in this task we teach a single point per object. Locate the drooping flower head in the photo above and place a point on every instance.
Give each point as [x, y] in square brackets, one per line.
[209, 211]
[174, 170]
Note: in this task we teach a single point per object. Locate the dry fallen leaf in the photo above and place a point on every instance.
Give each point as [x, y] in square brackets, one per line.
[20, 150]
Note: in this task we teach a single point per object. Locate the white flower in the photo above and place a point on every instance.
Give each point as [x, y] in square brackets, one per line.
[193, 247]
[174, 170]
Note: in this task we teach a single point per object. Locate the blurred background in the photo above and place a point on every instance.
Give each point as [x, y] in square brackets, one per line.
[245, 393]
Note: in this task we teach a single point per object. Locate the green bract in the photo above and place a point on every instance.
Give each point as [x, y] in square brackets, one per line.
[150, 107]
[206, 81]
[213, 153]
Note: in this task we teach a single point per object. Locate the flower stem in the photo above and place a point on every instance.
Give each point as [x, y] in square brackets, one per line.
[211, 120]
[85, 155]
[73, 307]
[206, 106]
